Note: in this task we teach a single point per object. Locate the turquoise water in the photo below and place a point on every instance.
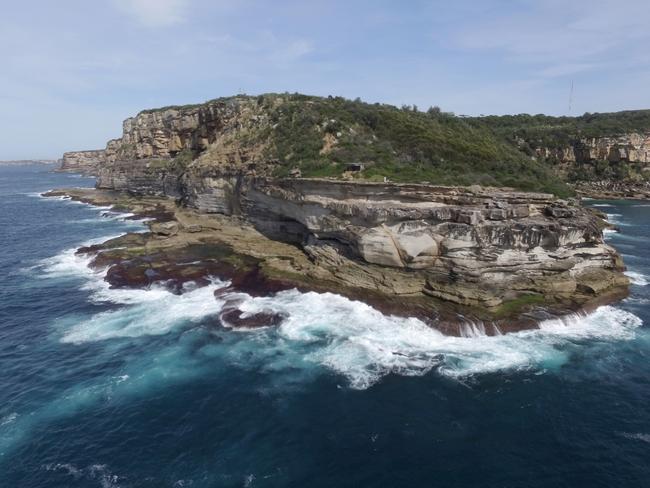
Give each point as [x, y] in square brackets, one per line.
[142, 388]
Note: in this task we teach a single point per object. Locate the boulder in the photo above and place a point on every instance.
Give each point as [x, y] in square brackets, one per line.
[165, 229]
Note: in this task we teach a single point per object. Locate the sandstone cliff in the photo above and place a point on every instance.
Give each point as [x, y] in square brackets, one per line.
[591, 152]
[85, 162]
[471, 246]
[631, 148]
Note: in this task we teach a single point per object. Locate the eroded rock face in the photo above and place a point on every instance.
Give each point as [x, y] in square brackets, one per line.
[471, 246]
[85, 162]
[633, 147]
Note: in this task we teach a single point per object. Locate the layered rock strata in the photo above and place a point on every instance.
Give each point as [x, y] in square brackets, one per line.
[633, 147]
[185, 245]
[471, 246]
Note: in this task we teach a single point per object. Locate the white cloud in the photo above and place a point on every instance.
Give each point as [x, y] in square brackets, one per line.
[563, 38]
[155, 13]
[291, 52]
[566, 69]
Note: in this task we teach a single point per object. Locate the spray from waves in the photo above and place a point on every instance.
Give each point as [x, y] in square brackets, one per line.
[601, 205]
[154, 311]
[348, 337]
[106, 215]
[615, 218]
[68, 264]
[637, 278]
[364, 345]
[351, 338]
[99, 473]
[58, 198]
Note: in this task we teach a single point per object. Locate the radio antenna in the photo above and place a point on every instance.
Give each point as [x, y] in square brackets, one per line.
[571, 97]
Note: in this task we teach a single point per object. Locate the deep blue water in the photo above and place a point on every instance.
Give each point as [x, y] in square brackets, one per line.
[105, 388]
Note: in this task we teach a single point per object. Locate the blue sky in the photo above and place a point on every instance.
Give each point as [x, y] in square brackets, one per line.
[72, 70]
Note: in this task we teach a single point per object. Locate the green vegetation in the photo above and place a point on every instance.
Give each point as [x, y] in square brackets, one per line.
[547, 131]
[513, 307]
[322, 136]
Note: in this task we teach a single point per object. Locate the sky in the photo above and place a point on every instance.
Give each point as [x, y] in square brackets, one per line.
[72, 70]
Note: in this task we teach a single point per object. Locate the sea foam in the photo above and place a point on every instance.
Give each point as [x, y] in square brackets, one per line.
[347, 337]
[364, 345]
[637, 278]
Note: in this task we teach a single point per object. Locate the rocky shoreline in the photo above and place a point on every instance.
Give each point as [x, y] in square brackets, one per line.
[614, 190]
[186, 247]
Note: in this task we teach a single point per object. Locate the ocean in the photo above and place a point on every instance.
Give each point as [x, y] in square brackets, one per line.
[144, 388]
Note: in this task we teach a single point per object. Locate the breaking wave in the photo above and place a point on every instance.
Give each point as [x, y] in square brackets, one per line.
[637, 278]
[615, 218]
[324, 329]
[98, 473]
[152, 311]
[347, 337]
[637, 436]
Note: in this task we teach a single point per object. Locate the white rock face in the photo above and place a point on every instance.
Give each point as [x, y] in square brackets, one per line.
[633, 148]
[451, 239]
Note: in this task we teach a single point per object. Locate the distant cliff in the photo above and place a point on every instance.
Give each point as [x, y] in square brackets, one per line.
[599, 154]
[85, 162]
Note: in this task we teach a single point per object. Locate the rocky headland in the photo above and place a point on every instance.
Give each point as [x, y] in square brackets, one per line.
[84, 162]
[229, 198]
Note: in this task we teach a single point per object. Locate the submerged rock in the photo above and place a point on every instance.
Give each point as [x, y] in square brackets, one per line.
[235, 319]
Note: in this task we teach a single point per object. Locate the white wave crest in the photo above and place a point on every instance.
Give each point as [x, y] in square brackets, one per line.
[637, 436]
[152, 311]
[8, 419]
[637, 278]
[364, 345]
[69, 264]
[348, 337]
[615, 218]
[95, 472]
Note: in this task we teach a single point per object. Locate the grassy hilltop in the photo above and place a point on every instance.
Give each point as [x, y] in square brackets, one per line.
[321, 136]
